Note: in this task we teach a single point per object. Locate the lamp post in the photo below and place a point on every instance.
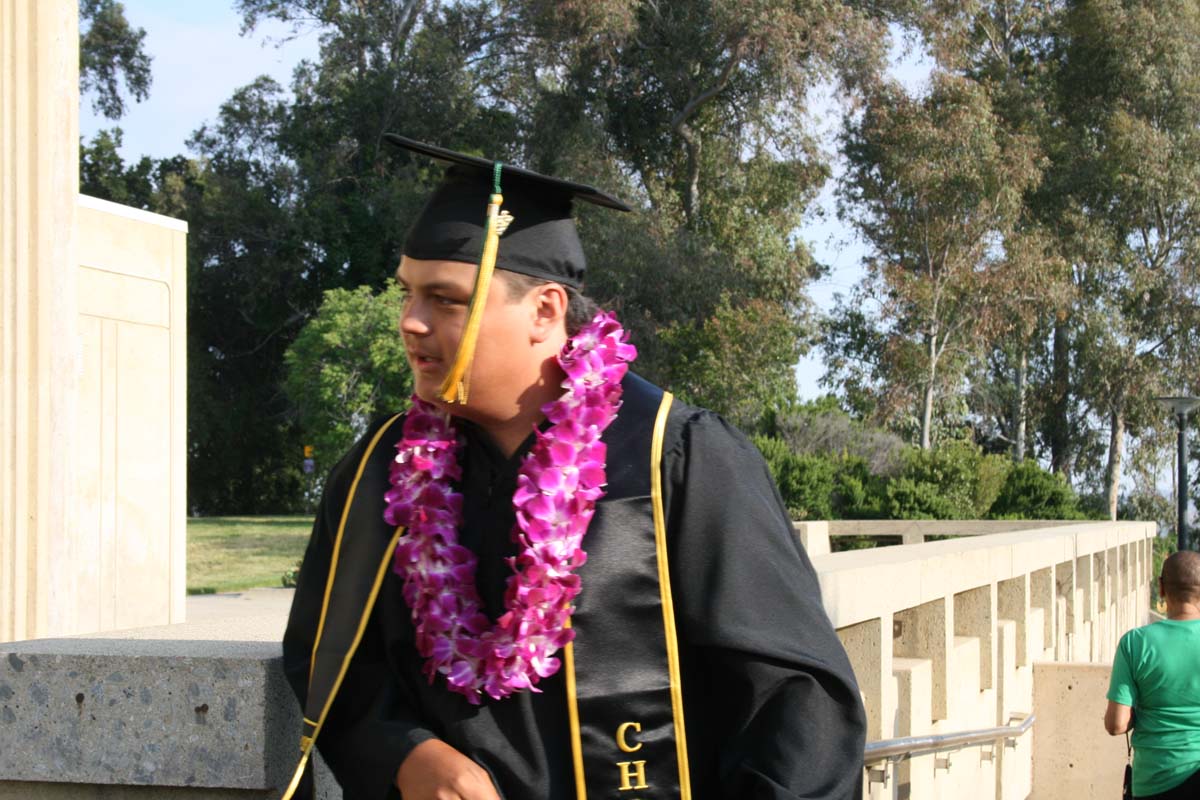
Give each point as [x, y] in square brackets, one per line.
[1181, 407]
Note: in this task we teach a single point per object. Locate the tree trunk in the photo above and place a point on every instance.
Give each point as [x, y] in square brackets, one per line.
[1116, 451]
[1060, 422]
[1019, 410]
[927, 397]
[691, 192]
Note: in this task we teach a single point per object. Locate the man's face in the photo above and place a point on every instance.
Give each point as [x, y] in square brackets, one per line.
[432, 322]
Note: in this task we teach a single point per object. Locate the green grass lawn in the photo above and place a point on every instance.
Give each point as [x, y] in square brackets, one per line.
[227, 554]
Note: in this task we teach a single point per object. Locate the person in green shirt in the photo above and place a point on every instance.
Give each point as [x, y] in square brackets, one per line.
[1155, 689]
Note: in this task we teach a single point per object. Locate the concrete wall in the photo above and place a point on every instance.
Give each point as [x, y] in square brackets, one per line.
[110, 552]
[92, 365]
[943, 636]
[1074, 756]
[129, 546]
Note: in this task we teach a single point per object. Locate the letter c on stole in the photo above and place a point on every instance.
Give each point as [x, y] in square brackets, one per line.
[621, 733]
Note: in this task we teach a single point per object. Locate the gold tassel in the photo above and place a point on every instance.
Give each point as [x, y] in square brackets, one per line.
[456, 385]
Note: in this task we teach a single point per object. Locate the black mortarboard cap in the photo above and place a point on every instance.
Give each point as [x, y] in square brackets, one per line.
[540, 240]
[480, 201]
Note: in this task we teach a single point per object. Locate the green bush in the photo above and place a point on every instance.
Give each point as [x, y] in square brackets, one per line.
[955, 481]
[806, 483]
[993, 473]
[1030, 492]
[907, 498]
[290, 576]
[859, 493]
[815, 486]
[346, 367]
[774, 451]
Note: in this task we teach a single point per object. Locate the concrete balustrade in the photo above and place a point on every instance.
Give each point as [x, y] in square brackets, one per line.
[943, 635]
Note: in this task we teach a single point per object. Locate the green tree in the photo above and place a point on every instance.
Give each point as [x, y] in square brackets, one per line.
[251, 287]
[347, 367]
[112, 54]
[1128, 168]
[746, 340]
[697, 109]
[1031, 284]
[1006, 47]
[933, 184]
[103, 172]
[293, 194]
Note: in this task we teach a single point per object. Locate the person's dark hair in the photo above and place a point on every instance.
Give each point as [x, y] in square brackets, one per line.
[1181, 576]
[580, 308]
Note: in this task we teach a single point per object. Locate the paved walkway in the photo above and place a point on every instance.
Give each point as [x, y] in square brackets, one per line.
[238, 605]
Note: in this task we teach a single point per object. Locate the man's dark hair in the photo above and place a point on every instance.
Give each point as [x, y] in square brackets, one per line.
[580, 308]
[1181, 576]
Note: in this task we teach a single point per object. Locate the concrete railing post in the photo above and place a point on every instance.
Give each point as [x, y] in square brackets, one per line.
[1012, 603]
[927, 632]
[869, 647]
[975, 615]
[1042, 595]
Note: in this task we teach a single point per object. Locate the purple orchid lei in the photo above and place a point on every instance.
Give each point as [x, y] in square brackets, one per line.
[558, 485]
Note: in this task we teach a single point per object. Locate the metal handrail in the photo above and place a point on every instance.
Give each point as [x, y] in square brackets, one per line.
[910, 746]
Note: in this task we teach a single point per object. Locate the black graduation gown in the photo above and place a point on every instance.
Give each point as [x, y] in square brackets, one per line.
[772, 707]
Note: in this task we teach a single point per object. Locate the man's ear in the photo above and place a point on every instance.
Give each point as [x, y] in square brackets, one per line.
[549, 306]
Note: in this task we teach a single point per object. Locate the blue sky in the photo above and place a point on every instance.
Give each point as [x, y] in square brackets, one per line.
[199, 58]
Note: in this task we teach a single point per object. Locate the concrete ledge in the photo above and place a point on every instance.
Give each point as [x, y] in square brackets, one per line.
[938, 527]
[186, 711]
[71, 791]
[196, 710]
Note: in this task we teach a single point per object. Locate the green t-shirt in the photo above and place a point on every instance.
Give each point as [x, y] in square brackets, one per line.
[1157, 672]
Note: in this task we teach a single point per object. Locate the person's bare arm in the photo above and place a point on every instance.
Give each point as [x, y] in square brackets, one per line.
[434, 770]
[1117, 718]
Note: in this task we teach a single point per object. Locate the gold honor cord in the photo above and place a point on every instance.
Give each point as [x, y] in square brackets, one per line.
[337, 542]
[307, 743]
[668, 605]
[457, 384]
[573, 719]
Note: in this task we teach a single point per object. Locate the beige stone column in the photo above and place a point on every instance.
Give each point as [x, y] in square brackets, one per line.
[39, 181]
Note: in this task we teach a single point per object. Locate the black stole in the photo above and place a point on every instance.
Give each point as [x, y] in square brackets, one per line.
[630, 738]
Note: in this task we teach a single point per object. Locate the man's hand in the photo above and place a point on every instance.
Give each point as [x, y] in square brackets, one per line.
[434, 770]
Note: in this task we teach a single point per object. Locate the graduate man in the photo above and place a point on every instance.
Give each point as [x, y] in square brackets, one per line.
[548, 579]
